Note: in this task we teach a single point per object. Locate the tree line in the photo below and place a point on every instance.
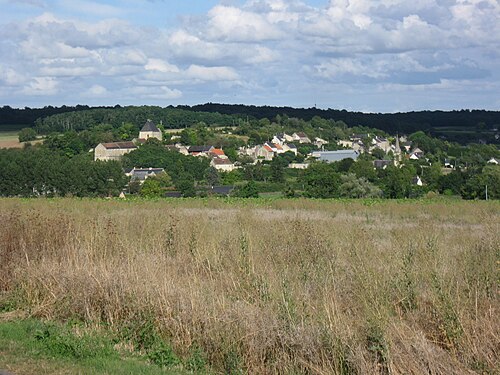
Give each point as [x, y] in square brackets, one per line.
[461, 126]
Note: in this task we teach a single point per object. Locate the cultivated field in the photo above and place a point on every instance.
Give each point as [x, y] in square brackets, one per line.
[267, 286]
[10, 139]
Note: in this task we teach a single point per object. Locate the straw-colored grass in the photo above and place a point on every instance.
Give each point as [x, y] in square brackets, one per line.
[269, 287]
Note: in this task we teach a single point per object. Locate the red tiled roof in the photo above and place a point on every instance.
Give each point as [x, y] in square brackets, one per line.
[217, 151]
[266, 147]
[278, 146]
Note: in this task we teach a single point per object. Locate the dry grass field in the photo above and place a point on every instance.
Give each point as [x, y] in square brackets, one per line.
[268, 287]
[10, 139]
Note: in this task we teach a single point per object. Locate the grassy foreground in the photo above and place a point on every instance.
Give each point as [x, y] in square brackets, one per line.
[263, 286]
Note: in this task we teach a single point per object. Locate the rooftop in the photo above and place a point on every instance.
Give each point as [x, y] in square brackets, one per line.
[149, 126]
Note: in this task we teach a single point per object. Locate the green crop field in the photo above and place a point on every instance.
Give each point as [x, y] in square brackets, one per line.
[258, 286]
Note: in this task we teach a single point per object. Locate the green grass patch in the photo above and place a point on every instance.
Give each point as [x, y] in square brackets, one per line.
[30, 346]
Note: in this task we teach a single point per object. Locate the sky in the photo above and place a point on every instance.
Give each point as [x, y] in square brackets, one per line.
[362, 55]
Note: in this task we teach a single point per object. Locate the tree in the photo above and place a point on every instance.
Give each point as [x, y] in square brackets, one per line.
[378, 153]
[321, 181]
[212, 176]
[27, 134]
[151, 188]
[354, 187]
[185, 185]
[249, 190]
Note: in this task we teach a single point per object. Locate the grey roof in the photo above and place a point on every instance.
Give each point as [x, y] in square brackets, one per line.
[200, 148]
[119, 145]
[142, 173]
[332, 156]
[221, 190]
[382, 163]
[149, 127]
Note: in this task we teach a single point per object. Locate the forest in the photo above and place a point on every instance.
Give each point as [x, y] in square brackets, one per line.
[460, 126]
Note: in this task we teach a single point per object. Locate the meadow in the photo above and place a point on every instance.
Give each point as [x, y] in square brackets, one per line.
[264, 286]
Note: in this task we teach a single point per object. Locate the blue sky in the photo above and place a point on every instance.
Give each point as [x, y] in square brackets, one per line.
[376, 56]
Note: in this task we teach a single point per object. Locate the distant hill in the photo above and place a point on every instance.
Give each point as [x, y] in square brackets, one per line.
[462, 126]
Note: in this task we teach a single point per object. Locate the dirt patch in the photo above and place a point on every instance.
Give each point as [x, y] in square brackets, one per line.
[14, 143]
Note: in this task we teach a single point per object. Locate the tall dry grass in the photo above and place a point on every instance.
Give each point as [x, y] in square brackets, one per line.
[277, 287]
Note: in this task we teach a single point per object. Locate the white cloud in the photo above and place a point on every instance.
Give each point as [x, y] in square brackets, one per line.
[218, 73]
[266, 48]
[161, 66]
[234, 24]
[43, 86]
[96, 91]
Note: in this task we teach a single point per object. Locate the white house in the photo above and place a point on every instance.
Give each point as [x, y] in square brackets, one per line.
[494, 161]
[301, 137]
[113, 150]
[319, 142]
[149, 130]
[220, 164]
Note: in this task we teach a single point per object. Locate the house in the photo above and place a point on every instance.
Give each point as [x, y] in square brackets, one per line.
[494, 161]
[141, 174]
[224, 165]
[344, 143]
[333, 156]
[382, 164]
[298, 165]
[301, 137]
[418, 152]
[113, 150]
[448, 164]
[200, 150]
[382, 143]
[289, 147]
[264, 152]
[149, 130]
[178, 148]
[282, 138]
[319, 142]
[217, 153]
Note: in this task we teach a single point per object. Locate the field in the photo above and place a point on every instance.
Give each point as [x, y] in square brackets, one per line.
[9, 136]
[265, 286]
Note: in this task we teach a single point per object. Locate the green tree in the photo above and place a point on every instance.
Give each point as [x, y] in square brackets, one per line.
[321, 181]
[212, 176]
[151, 188]
[354, 187]
[27, 134]
[248, 190]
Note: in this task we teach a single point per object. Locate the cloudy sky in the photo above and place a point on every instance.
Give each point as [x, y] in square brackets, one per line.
[366, 55]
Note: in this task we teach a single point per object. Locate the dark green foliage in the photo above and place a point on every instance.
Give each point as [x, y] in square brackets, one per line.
[27, 134]
[171, 118]
[40, 172]
[249, 190]
[212, 176]
[185, 184]
[397, 182]
[178, 166]
[321, 181]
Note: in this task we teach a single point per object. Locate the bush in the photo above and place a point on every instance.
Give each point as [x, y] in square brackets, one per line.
[27, 134]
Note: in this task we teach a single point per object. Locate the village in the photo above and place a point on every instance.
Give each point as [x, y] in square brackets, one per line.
[396, 152]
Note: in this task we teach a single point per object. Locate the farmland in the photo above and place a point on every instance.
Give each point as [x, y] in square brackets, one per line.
[9, 136]
[265, 286]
